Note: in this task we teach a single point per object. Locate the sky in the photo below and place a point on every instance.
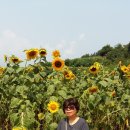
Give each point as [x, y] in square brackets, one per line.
[74, 27]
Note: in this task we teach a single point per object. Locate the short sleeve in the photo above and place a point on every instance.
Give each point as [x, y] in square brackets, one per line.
[59, 126]
[85, 126]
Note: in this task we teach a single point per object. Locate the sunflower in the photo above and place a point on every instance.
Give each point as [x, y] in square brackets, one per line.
[128, 67]
[94, 69]
[127, 76]
[53, 106]
[69, 74]
[113, 94]
[19, 128]
[58, 64]
[97, 64]
[29, 69]
[40, 116]
[14, 59]
[42, 52]
[31, 54]
[93, 89]
[5, 58]
[124, 69]
[1, 70]
[56, 53]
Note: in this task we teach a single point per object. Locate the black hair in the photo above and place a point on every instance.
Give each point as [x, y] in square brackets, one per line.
[69, 102]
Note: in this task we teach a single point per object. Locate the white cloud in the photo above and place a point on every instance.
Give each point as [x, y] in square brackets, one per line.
[12, 43]
[71, 48]
[67, 48]
[82, 36]
[64, 47]
[9, 34]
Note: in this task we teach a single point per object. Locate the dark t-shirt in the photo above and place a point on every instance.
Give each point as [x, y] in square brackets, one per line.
[79, 125]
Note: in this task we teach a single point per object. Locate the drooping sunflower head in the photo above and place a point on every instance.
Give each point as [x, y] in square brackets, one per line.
[5, 58]
[2, 70]
[69, 74]
[113, 93]
[42, 52]
[31, 54]
[94, 69]
[124, 69]
[41, 116]
[58, 64]
[56, 53]
[93, 89]
[29, 69]
[53, 106]
[14, 59]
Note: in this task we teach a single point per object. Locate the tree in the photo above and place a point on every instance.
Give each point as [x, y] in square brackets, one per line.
[84, 56]
[104, 50]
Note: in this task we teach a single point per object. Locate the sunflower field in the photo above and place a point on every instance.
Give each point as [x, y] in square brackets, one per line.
[31, 97]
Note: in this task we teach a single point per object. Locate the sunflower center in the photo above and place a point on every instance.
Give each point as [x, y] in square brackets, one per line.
[93, 89]
[58, 64]
[42, 52]
[53, 107]
[32, 53]
[56, 54]
[113, 93]
[15, 60]
[1, 70]
[67, 76]
[93, 69]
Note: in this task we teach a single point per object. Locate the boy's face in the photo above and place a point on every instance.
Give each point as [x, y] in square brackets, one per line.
[70, 111]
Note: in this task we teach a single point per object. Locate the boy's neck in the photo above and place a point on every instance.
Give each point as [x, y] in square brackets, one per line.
[72, 118]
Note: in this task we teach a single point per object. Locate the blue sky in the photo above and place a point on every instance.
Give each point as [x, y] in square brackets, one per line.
[75, 27]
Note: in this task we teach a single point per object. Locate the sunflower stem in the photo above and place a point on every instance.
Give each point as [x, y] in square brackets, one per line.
[22, 123]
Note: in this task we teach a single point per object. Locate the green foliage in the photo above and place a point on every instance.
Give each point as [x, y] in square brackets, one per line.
[104, 50]
[107, 55]
[26, 91]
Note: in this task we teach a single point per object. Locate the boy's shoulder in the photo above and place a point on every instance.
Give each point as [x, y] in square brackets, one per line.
[82, 120]
[63, 120]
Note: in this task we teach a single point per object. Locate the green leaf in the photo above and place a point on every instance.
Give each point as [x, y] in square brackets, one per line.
[43, 74]
[50, 89]
[37, 78]
[39, 97]
[28, 118]
[19, 70]
[91, 98]
[62, 93]
[53, 126]
[6, 78]
[53, 98]
[10, 70]
[21, 89]
[15, 102]
[48, 117]
[103, 83]
[30, 78]
[14, 117]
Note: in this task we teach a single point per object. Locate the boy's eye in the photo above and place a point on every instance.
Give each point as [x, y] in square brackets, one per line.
[72, 107]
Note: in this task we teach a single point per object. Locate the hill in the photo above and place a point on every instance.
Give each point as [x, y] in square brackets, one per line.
[107, 55]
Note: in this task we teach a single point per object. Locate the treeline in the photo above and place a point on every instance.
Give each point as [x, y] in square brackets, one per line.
[107, 55]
